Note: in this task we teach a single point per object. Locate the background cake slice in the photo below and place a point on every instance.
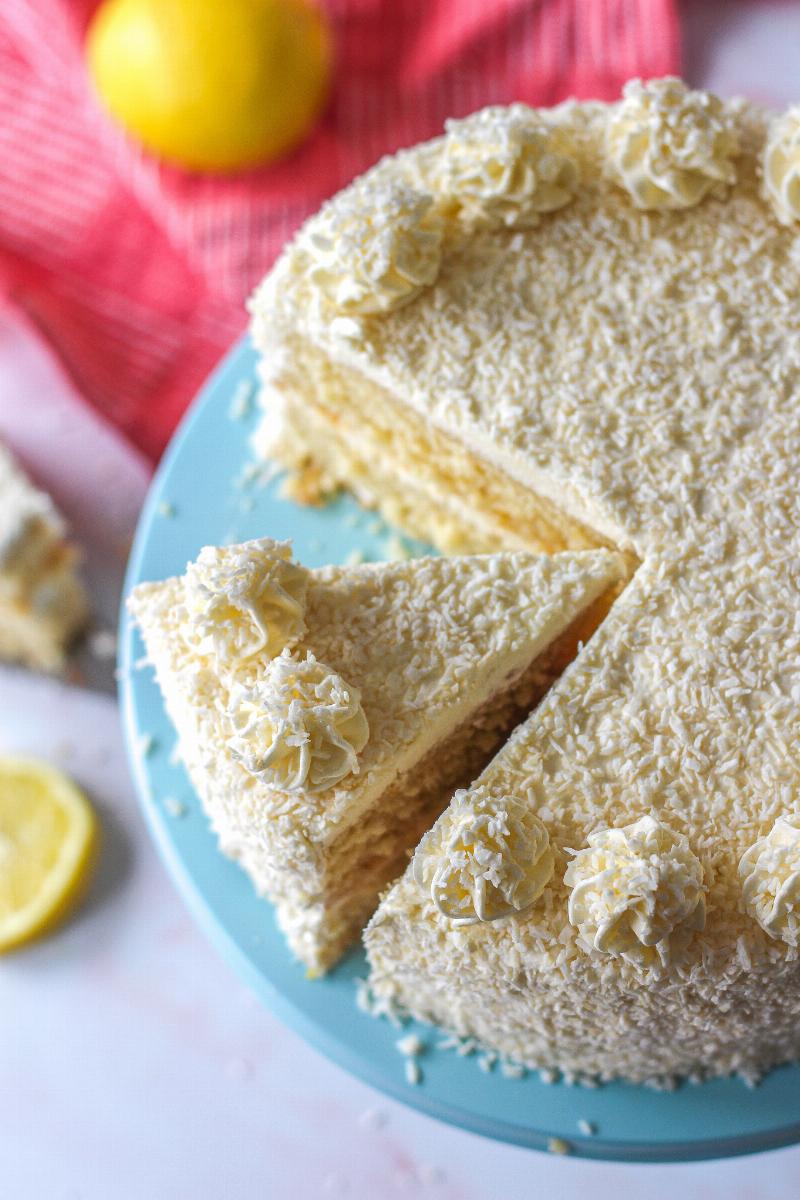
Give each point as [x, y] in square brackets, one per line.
[42, 602]
[326, 717]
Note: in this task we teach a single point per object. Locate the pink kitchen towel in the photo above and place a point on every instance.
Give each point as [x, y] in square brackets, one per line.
[136, 272]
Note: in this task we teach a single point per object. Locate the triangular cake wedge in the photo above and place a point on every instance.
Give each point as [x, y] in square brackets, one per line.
[442, 656]
[43, 605]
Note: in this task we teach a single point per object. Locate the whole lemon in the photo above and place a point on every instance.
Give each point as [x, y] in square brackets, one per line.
[215, 85]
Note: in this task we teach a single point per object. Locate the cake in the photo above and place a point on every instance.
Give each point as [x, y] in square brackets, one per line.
[326, 716]
[570, 328]
[42, 603]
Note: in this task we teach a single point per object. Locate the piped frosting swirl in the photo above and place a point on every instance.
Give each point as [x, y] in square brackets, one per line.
[669, 146]
[781, 165]
[501, 167]
[375, 252]
[633, 888]
[246, 601]
[770, 876]
[487, 858]
[299, 727]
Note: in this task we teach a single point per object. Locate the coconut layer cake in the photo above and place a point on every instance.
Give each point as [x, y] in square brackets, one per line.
[566, 328]
[42, 602]
[326, 716]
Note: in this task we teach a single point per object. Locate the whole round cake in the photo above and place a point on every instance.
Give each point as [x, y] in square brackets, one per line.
[577, 328]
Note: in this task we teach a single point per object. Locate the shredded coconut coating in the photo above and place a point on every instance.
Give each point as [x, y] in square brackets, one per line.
[770, 874]
[487, 858]
[670, 146]
[377, 252]
[782, 165]
[633, 888]
[300, 726]
[641, 370]
[247, 603]
[503, 167]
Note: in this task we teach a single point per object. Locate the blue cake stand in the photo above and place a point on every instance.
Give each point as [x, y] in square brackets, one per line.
[206, 492]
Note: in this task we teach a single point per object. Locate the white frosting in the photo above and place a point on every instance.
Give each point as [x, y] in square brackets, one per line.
[300, 726]
[633, 887]
[782, 165]
[375, 253]
[246, 601]
[489, 857]
[770, 875]
[29, 522]
[502, 168]
[670, 146]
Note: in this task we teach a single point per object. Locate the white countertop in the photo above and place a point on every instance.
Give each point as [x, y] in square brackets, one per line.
[133, 1064]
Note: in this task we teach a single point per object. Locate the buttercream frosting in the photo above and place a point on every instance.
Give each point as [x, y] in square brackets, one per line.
[489, 857]
[502, 167]
[300, 726]
[246, 602]
[632, 887]
[782, 165]
[670, 146]
[770, 875]
[377, 253]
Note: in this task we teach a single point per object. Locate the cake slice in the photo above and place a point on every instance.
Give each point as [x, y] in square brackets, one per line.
[42, 603]
[326, 716]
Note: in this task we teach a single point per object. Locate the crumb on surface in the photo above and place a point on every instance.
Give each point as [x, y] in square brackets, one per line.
[413, 1072]
[410, 1045]
[557, 1145]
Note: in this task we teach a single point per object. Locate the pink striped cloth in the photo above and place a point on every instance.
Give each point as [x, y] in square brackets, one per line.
[136, 272]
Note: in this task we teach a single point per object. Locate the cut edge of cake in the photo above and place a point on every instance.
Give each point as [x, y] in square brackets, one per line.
[446, 657]
[43, 604]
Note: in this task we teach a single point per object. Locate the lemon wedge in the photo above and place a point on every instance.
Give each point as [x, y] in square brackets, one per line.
[214, 85]
[48, 834]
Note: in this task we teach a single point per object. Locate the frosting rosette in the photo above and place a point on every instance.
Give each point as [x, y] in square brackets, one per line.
[634, 888]
[300, 728]
[781, 166]
[669, 146]
[501, 167]
[770, 876]
[372, 251]
[245, 600]
[487, 858]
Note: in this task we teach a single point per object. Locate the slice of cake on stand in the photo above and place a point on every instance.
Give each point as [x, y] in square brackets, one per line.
[42, 602]
[326, 716]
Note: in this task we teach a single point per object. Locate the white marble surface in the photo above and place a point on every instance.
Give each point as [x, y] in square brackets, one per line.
[133, 1064]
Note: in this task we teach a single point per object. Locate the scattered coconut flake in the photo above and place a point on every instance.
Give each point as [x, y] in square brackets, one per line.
[413, 1072]
[410, 1045]
[242, 401]
[175, 807]
[166, 509]
[587, 1128]
[373, 1118]
[557, 1145]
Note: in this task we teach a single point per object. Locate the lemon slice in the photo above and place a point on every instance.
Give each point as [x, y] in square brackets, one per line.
[48, 833]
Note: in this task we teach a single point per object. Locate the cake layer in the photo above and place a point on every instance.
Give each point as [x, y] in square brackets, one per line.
[338, 428]
[445, 656]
